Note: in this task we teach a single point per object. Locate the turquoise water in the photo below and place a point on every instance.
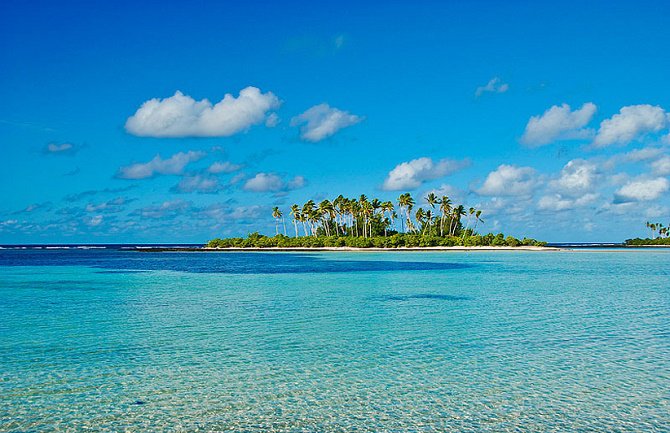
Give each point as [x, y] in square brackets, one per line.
[334, 342]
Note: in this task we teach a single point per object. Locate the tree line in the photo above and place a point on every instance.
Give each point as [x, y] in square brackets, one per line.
[364, 222]
[659, 235]
[366, 218]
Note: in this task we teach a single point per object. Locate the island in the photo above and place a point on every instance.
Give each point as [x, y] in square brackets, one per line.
[374, 224]
[659, 236]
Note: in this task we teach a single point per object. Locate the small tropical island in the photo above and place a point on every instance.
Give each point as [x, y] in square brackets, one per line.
[372, 223]
[660, 236]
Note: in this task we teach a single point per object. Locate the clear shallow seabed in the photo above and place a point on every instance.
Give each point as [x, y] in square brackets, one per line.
[394, 341]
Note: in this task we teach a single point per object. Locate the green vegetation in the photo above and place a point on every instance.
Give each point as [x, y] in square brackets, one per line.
[643, 242]
[660, 235]
[364, 223]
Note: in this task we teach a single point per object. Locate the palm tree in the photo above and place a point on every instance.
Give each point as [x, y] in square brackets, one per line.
[360, 217]
[478, 214]
[339, 207]
[387, 206]
[458, 212]
[308, 212]
[277, 215]
[432, 199]
[419, 216]
[429, 220]
[376, 205]
[355, 210]
[409, 204]
[403, 205]
[295, 211]
[303, 222]
[471, 212]
[364, 204]
[445, 208]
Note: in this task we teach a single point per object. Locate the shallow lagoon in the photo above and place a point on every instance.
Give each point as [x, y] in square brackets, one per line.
[331, 341]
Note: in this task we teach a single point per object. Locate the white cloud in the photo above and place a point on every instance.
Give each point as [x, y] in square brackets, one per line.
[642, 154]
[182, 116]
[61, 149]
[322, 121]
[173, 165]
[55, 148]
[558, 122]
[661, 166]
[455, 194]
[296, 182]
[166, 209]
[495, 85]
[197, 183]
[272, 120]
[509, 180]
[642, 189]
[237, 178]
[271, 182]
[637, 155]
[558, 202]
[93, 221]
[110, 206]
[632, 122]
[577, 177]
[411, 174]
[223, 167]
[656, 211]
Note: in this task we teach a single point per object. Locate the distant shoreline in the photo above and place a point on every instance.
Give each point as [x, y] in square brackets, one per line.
[348, 249]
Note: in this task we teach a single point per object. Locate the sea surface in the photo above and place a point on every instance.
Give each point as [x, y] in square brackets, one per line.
[115, 340]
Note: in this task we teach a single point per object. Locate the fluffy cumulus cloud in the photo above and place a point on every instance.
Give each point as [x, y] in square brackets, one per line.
[558, 123]
[322, 121]
[412, 174]
[577, 177]
[558, 202]
[172, 165]
[271, 182]
[661, 166]
[642, 189]
[223, 167]
[495, 85]
[182, 116]
[509, 180]
[632, 122]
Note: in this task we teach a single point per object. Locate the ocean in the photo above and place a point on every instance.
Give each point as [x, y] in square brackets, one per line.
[112, 340]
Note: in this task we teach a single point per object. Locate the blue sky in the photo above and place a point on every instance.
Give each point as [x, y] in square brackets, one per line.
[551, 117]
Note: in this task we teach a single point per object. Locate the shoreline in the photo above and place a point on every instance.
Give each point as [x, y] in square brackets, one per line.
[350, 249]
